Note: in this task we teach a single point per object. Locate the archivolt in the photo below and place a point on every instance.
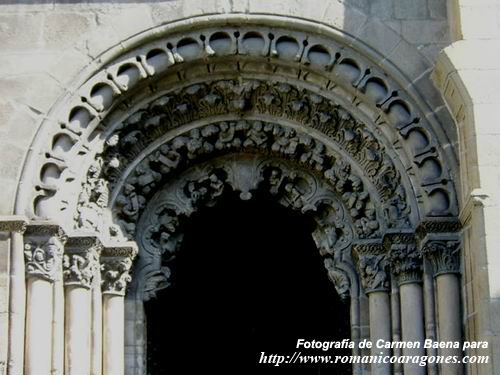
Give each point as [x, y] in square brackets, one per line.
[122, 119]
[160, 229]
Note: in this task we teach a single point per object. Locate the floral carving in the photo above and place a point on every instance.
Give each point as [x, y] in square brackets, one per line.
[444, 255]
[43, 258]
[406, 263]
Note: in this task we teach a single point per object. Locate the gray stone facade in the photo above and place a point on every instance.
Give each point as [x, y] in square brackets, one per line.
[120, 119]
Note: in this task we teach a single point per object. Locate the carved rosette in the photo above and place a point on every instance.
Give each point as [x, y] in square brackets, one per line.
[443, 252]
[43, 250]
[81, 261]
[373, 266]
[116, 262]
[406, 260]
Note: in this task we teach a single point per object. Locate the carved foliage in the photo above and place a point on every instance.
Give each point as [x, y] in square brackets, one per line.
[43, 257]
[406, 263]
[444, 255]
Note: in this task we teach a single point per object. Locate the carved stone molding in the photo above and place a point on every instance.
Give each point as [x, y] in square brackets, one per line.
[160, 229]
[81, 260]
[116, 263]
[316, 74]
[260, 138]
[438, 225]
[14, 223]
[43, 251]
[443, 252]
[373, 265]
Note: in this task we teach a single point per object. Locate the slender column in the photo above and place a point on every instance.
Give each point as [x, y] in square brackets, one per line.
[443, 253]
[43, 251]
[396, 326]
[15, 225]
[96, 329]
[81, 263]
[430, 318]
[406, 265]
[373, 268]
[58, 328]
[116, 263]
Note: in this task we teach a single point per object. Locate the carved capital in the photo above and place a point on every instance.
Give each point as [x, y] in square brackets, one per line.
[406, 260]
[443, 252]
[406, 263]
[116, 262]
[373, 265]
[81, 260]
[43, 250]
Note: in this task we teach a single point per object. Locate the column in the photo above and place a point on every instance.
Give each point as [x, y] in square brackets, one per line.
[80, 265]
[15, 225]
[96, 328]
[116, 263]
[43, 249]
[443, 251]
[373, 268]
[406, 266]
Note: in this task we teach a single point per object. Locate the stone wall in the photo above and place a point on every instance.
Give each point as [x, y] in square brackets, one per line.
[468, 74]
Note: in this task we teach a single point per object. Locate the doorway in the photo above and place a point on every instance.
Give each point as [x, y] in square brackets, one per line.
[248, 279]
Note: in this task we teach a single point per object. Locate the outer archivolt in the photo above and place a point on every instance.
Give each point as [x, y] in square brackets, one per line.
[312, 59]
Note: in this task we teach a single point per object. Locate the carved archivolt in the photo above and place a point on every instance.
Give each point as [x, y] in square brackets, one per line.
[253, 137]
[317, 69]
[160, 228]
[334, 134]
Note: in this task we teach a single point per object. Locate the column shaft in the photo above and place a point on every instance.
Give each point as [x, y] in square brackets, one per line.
[412, 316]
[449, 322]
[38, 356]
[96, 329]
[58, 329]
[17, 306]
[380, 328]
[77, 331]
[113, 334]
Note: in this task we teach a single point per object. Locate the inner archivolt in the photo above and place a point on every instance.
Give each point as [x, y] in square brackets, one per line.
[248, 280]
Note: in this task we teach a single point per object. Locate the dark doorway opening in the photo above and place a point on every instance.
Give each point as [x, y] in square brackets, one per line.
[248, 279]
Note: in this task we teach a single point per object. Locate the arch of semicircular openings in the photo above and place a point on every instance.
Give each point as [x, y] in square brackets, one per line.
[316, 68]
